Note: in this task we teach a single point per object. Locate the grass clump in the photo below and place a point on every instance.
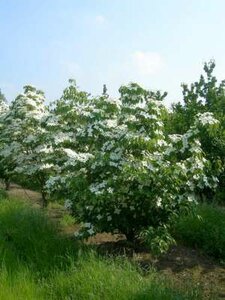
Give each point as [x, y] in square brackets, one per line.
[67, 220]
[204, 230]
[19, 286]
[100, 278]
[28, 237]
[91, 277]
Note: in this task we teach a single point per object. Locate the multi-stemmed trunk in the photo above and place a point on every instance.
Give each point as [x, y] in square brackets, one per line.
[7, 184]
[44, 198]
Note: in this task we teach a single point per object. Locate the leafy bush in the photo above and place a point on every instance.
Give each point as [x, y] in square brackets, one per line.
[27, 236]
[205, 231]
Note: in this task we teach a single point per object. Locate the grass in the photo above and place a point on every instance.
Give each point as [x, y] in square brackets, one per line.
[36, 262]
[90, 278]
[28, 237]
[67, 220]
[206, 231]
[3, 194]
[20, 286]
[98, 278]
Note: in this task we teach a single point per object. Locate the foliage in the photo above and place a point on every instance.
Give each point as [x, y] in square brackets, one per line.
[205, 230]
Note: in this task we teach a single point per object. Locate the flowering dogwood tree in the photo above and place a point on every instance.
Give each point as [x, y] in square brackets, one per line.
[25, 140]
[122, 173]
[3, 168]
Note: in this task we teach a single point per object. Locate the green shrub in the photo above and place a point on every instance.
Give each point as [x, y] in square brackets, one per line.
[205, 231]
[28, 237]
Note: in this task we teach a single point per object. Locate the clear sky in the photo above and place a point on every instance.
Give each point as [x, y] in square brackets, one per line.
[158, 44]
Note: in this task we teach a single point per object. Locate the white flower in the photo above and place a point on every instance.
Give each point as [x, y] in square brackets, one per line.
[175, 137]
[110, 190]
[111, 123]
[113, 164]
[99, 217]
[191, 198]
[161, 143]
[90, 231]
[109, 218]
[77, 234]
[90, 207]
[159, 202]
[46, 166]
[207, 118]
[68, 204]
[117, 211]
[44, 149]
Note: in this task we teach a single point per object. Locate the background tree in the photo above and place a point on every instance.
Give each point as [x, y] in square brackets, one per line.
[3, 168]
[2, 97]
[24, 138]
[204, 95]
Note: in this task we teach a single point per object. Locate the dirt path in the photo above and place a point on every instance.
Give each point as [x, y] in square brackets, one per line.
[186, 265]
[32, 197]
[183, 264]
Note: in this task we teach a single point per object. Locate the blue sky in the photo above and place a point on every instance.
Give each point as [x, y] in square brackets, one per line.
[158, 44]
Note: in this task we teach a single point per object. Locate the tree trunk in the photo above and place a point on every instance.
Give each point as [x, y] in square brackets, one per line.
[130, 235]
[7, 184]
[44, 199]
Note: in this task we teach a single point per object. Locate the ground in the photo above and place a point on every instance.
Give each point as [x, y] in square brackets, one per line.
[181, 263]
